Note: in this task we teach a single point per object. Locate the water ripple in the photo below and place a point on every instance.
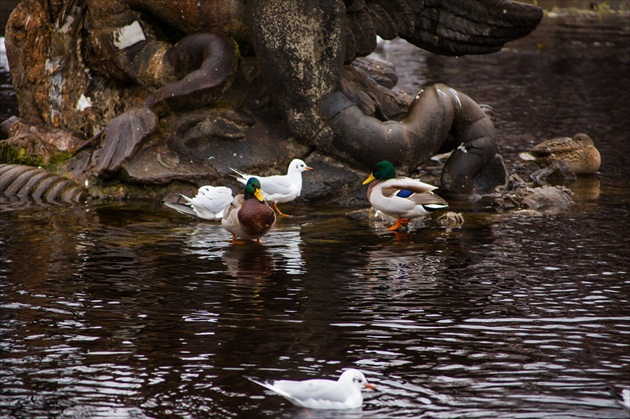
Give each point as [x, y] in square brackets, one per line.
[131, 310]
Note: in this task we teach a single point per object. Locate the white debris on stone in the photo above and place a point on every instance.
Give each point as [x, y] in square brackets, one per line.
[51, 66]
[128, 35]
[4, 62]
[67, 24]
[83, 103]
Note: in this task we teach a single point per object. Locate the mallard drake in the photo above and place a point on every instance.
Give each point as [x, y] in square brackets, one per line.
[279, 188]
[249, 216]
[400, 197]
[579, 153]
[318, 393]
[209, 203]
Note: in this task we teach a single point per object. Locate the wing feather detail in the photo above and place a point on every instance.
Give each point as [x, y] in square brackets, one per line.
[444, 27]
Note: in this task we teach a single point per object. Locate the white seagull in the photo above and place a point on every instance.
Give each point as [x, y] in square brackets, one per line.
[279, 188]
[345, 393]
[209, 203]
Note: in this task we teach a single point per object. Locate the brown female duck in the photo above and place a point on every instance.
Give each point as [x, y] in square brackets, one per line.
[579, 153]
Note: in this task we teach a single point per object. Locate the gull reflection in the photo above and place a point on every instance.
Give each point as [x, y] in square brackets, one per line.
[285, 242]
[205, 240]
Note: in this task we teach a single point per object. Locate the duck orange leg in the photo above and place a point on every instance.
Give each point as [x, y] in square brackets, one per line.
[400, 222]
[234, 241]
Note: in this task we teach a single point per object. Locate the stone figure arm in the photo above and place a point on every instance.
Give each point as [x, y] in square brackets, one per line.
[193, 72]
[125, 47]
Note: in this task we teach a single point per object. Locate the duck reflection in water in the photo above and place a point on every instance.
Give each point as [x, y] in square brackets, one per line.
[280, 252]
[585, 188]
[249, 263]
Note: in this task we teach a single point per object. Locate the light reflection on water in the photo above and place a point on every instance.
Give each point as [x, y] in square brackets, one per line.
[132, 310]
[146, 313]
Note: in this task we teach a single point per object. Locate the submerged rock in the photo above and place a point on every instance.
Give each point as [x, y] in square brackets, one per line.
[521, 196]
[450, 220]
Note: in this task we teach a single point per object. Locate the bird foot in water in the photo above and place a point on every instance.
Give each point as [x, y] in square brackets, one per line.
[400, 223]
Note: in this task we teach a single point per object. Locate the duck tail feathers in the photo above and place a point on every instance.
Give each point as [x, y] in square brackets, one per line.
[435, 207]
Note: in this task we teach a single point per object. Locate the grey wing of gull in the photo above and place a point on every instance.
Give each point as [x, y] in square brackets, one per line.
[277, 184]
[317, 389]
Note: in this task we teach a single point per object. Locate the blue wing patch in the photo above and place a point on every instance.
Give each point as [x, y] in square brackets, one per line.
[404, 193]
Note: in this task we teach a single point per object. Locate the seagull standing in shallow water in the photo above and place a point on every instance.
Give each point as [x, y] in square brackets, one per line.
[279, 188]
[345, 393]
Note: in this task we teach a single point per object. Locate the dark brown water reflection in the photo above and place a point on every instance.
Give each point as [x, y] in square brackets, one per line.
[131, 310]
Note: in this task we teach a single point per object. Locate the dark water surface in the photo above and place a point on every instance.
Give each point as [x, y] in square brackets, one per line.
[132, 310]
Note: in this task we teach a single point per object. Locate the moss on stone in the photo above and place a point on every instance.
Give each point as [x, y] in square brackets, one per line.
[11, 155]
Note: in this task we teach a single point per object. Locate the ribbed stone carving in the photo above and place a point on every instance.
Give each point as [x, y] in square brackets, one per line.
[22, 181]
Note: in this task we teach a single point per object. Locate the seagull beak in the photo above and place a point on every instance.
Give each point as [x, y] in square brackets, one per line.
[309, 168]
[370, 386]
[369, 179]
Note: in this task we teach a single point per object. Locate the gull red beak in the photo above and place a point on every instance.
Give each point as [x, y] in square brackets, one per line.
[309, 168]
[370, 386]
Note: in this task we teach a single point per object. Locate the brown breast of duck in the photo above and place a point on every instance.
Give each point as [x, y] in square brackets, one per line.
[256, 218]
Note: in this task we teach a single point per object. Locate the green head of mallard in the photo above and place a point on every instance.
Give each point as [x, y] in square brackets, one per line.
[383, 170]
[253, 189]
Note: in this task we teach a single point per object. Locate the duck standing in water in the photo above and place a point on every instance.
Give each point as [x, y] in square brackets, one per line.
[579, 153]
[249, 217]
[280, 188]
[401, 197]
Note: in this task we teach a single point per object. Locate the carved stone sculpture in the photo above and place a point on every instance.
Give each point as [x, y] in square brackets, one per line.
[174, 91]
